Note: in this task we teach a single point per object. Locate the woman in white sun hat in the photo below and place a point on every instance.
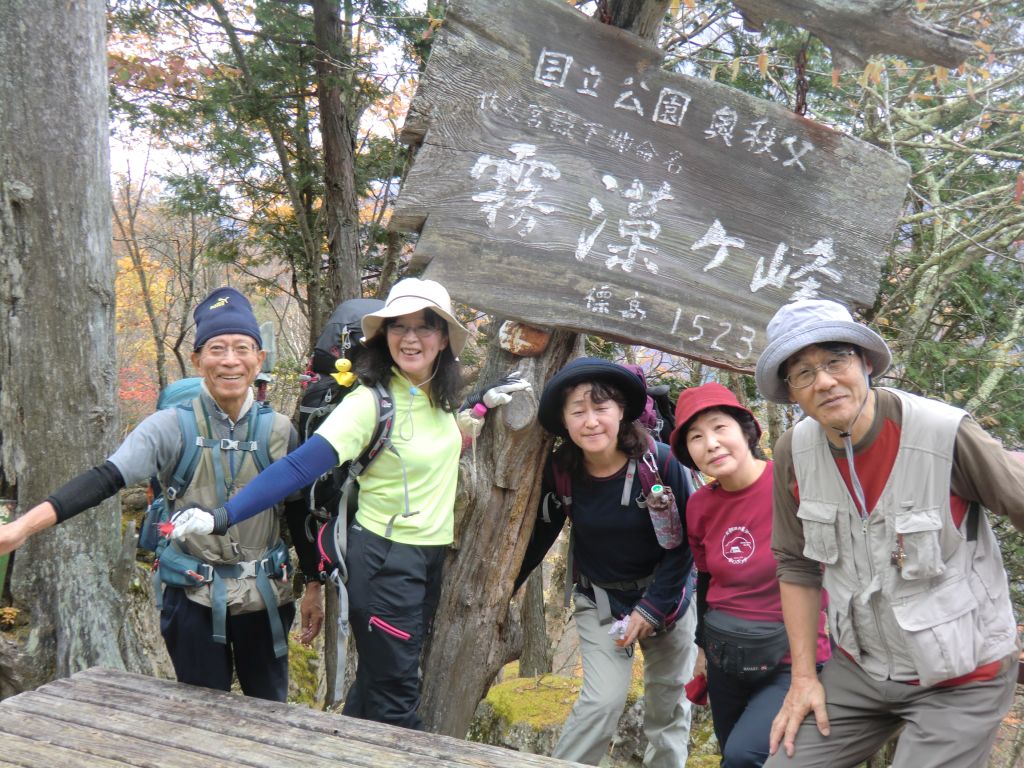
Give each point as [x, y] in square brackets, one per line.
[405, 520]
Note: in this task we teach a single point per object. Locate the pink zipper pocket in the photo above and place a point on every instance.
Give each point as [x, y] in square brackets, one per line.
[384, 626]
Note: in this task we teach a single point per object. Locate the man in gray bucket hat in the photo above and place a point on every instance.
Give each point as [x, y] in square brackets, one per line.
[878, 498]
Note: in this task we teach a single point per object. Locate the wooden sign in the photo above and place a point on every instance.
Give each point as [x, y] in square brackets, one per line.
[563, 178]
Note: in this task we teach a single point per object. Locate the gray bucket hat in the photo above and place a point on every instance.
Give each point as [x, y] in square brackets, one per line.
[812, 321]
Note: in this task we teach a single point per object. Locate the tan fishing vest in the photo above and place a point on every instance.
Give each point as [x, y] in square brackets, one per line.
[946, 610]
[249, 540]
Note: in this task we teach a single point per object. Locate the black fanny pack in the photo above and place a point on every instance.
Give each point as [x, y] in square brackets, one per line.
[743, 648]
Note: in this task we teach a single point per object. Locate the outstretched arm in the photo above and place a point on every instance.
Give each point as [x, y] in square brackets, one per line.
[278, 481]
[282, 478]
[16, 533]
[77, 495]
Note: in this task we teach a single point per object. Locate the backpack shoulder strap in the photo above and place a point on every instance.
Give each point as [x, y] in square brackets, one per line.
[384, 406]
[648, 468]
[385, 421]
[971, 528]
[563, 491]
[190, 452]
[662, 447]
[261, 423]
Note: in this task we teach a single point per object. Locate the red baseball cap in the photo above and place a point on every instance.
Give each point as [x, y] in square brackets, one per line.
[689, 405]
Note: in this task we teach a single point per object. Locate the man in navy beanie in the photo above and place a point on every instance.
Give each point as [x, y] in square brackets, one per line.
[225, 311]
[227, 602]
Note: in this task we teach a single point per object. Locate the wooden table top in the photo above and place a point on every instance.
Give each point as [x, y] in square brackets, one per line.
[103, 717]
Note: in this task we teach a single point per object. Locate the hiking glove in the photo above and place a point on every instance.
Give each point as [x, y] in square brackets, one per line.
[198, 520]
[499, 392]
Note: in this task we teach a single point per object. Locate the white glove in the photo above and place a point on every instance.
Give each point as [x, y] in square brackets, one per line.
[501, 393]
[469, 423]
[189, 521]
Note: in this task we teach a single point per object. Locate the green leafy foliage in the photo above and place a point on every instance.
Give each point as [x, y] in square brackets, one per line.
[233, 89]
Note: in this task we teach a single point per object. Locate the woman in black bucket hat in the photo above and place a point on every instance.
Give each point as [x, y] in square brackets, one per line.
[628, 588]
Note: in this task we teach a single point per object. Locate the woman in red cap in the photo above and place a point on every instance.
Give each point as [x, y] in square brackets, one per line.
[742, 640]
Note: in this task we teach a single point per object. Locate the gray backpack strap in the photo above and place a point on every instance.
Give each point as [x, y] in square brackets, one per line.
[337, 578]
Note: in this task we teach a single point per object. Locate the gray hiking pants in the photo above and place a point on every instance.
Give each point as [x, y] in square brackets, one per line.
[607, 674]
[942, 727]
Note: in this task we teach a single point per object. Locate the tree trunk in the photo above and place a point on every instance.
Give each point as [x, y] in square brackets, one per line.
[641, 17]
[1007, 352]
[340, 204]
[126, 211]
[389, 266]
[776, 425]
[296, 182]
[536, 657]
[57, 366]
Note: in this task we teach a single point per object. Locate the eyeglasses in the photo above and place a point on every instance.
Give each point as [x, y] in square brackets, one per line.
[835, 365]
[422, 331]
[241, 351]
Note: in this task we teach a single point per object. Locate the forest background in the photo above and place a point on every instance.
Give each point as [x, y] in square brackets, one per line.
[261, 140]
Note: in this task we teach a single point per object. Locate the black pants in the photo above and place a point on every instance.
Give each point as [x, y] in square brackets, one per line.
[187, 628]
[742, 713]
[393, 592]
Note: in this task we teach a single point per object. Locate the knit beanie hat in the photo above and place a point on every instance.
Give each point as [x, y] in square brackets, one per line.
[225, 310]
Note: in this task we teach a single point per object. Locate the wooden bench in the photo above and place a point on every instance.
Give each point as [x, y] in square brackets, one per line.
[102, 717]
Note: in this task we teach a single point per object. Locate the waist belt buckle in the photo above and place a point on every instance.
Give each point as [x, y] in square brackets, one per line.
[248, 569]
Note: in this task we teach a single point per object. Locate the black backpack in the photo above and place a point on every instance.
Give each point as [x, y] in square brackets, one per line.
[328, 380]
[665, 411]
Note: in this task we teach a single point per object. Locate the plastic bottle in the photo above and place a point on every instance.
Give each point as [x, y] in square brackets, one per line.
[475, 422]
[657, 494]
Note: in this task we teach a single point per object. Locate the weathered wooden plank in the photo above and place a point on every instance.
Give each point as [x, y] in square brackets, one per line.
[420, 746]
[33, 753]
[564, 179]
[96, 742]
[856, 31]
[163, 714]
[148, 741]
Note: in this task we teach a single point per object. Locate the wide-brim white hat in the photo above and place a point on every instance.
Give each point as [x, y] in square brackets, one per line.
[411, 295]
[813, 321]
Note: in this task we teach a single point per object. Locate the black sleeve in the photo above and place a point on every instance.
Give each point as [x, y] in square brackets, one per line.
[703, 583]
[545, 531]
[86, 491]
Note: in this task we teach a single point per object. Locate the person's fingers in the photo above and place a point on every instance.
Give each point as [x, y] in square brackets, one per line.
[777, 732]
[821, 717]
[792, 725]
